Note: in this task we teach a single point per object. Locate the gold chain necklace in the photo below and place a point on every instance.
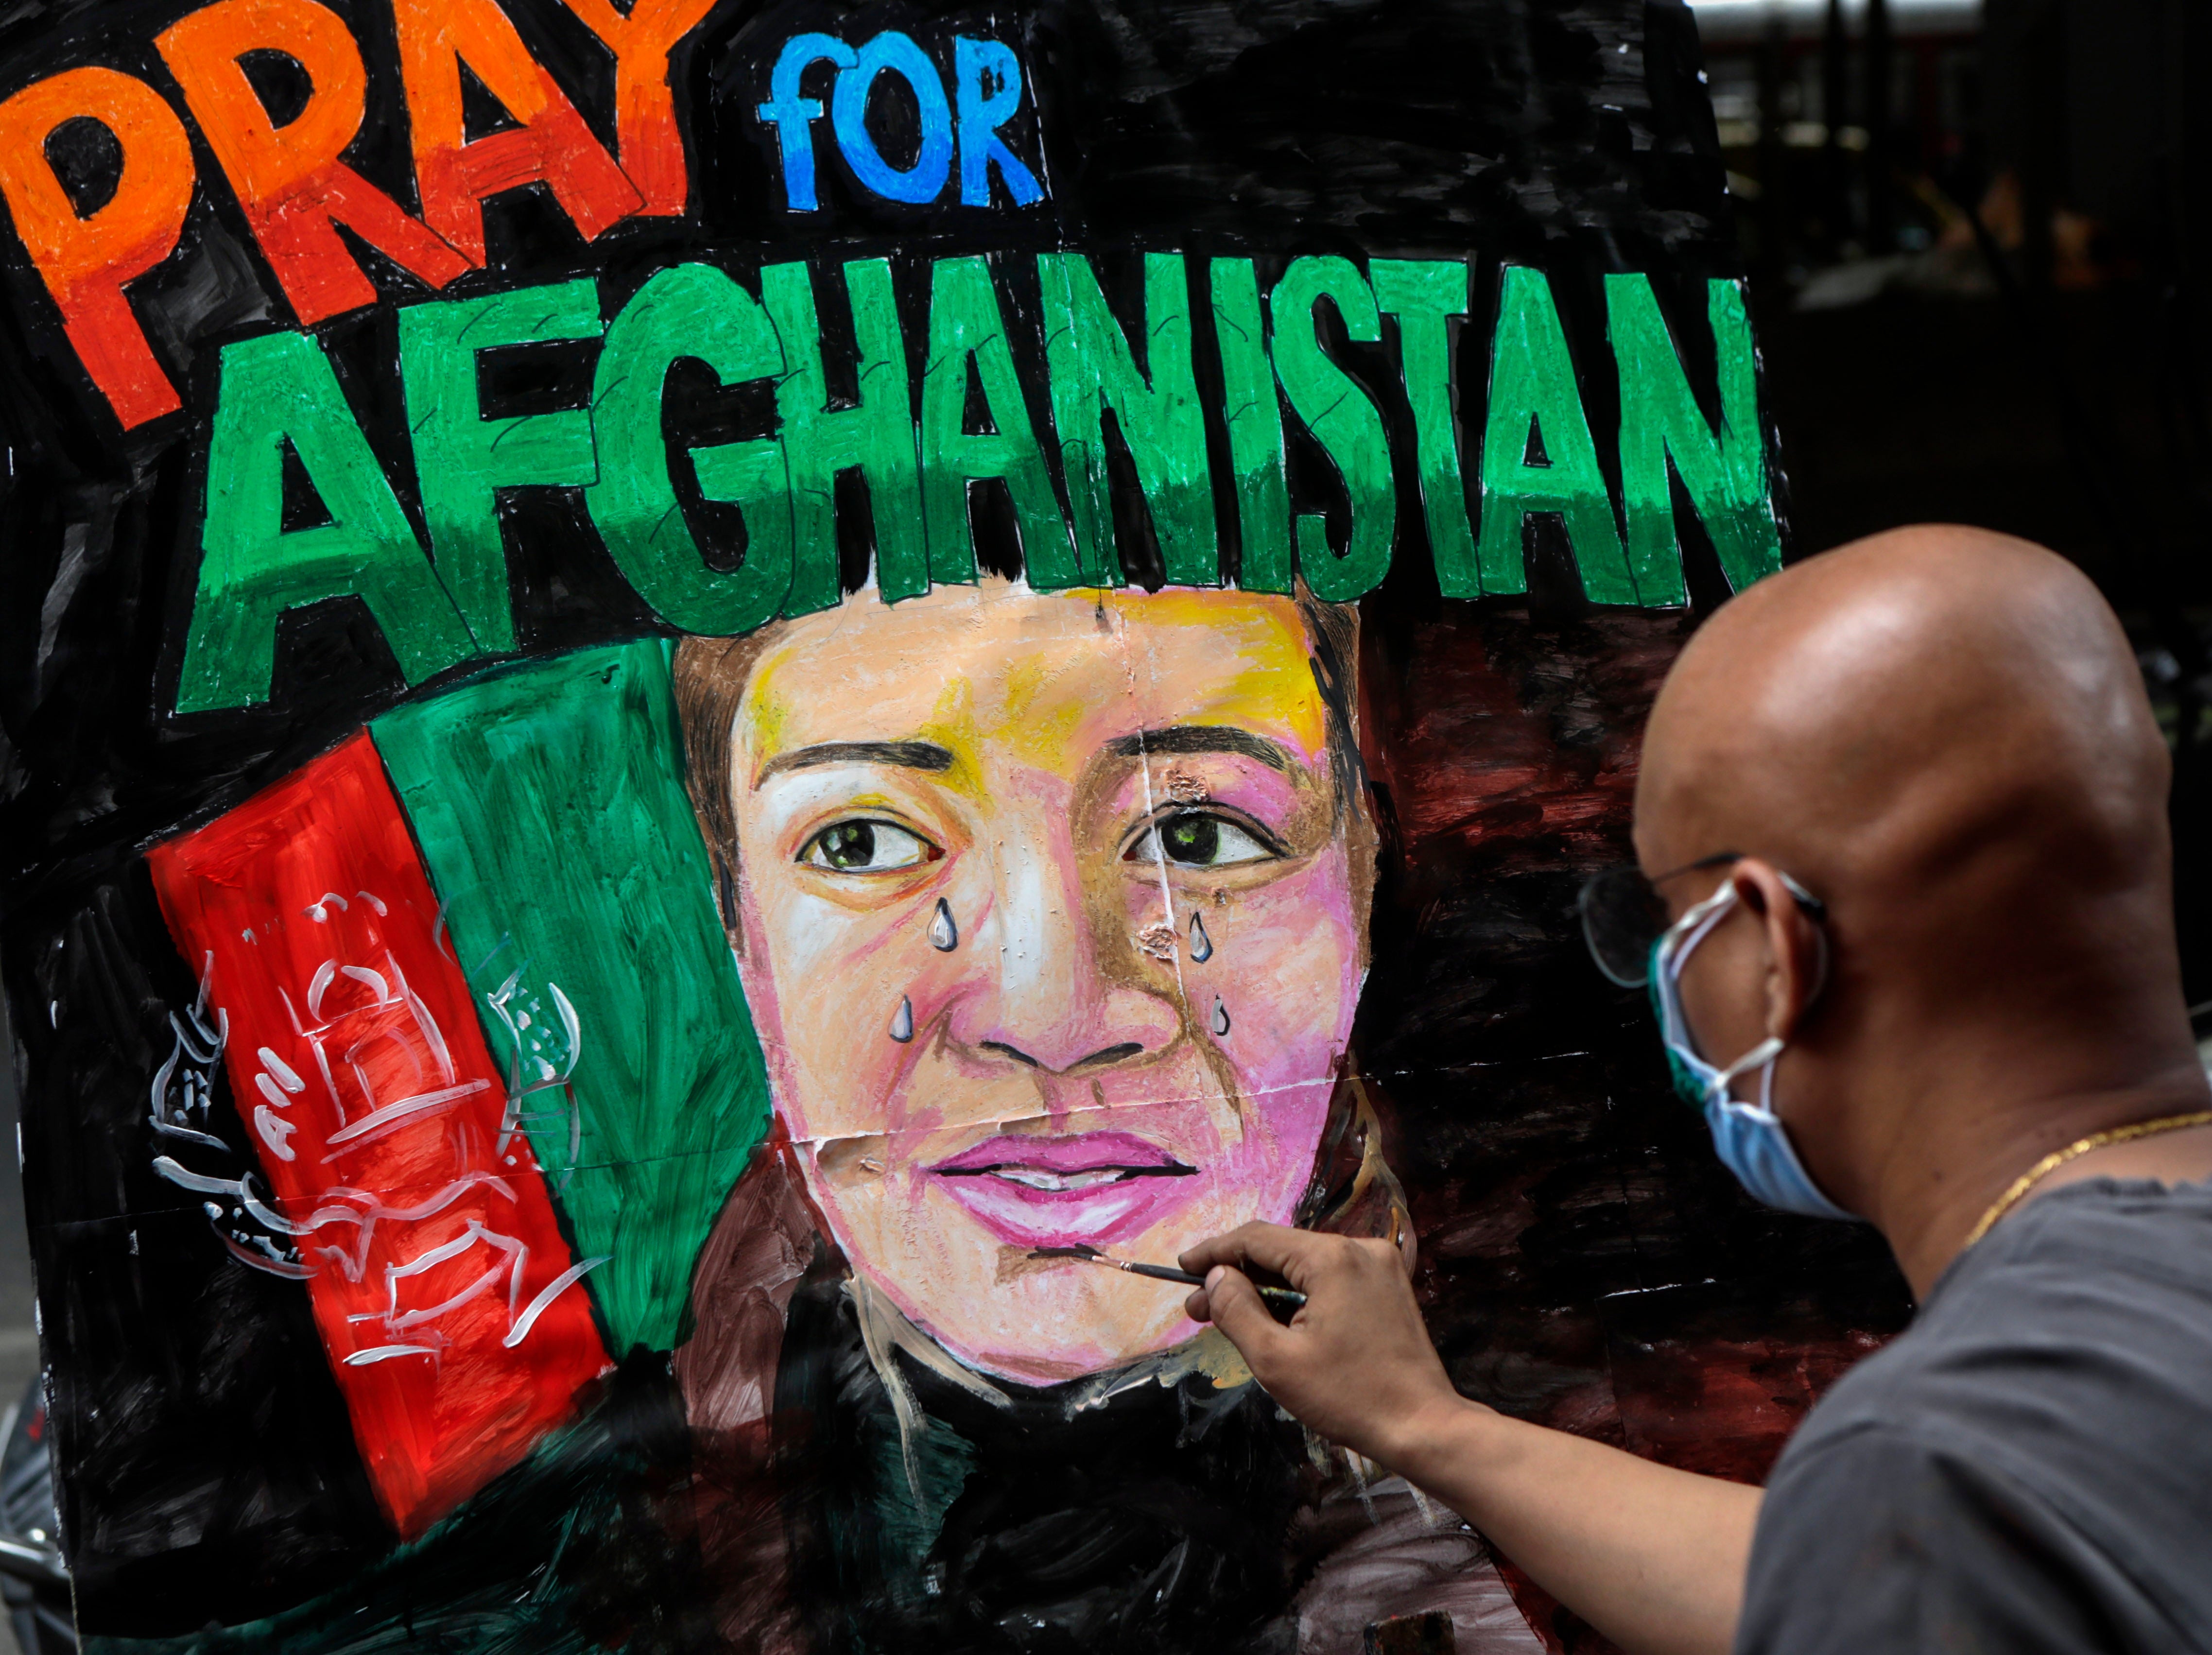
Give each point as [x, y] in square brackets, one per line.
[2058, 1158]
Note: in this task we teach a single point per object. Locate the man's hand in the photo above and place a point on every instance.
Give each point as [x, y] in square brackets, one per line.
[1355, 1363]
[1653, 1557]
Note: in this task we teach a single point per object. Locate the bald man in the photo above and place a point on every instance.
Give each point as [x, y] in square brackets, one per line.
[1905, 890]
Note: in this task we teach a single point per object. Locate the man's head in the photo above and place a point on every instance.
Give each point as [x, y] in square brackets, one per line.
[1942, 734]
[1052, 912]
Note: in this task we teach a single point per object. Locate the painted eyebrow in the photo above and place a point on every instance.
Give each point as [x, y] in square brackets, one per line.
[906, 755]
[1202, 739]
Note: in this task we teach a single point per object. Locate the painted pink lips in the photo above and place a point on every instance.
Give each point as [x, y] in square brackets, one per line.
[1097, 1187]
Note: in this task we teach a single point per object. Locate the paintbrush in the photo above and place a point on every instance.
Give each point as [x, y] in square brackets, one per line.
[1288, 1297]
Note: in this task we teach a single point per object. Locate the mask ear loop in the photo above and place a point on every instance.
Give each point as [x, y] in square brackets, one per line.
[1769, 1051]
[1695, 927]
[1699, 922]
[1765, 1052]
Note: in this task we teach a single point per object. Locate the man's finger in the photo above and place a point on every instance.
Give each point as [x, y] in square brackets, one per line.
[1239, 1312]
[1270, 1246]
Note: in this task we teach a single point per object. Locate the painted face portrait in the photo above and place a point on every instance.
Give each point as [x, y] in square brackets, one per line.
[1053, 920]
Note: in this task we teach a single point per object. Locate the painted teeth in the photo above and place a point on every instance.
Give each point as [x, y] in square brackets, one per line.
[1037, 1178]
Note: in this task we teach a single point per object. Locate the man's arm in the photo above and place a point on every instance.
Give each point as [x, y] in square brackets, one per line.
[1652, 1557]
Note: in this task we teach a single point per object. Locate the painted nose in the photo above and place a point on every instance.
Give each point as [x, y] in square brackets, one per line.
[1100, 1059]
[1050, 1000]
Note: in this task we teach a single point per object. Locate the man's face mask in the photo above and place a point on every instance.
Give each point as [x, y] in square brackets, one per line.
[1749, 1138]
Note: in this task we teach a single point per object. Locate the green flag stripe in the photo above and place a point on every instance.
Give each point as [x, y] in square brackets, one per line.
[548, 800]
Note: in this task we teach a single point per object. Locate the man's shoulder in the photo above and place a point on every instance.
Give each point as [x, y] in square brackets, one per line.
[2096, 1297]
[2046, 1425]
[1891, 1538]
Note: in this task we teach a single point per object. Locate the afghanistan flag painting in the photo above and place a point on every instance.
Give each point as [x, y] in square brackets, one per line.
[682, 682]
[330, 917]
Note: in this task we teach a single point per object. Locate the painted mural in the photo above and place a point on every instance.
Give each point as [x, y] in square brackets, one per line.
[690, 690]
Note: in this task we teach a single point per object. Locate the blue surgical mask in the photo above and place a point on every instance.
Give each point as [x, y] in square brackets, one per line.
[1749, 1138]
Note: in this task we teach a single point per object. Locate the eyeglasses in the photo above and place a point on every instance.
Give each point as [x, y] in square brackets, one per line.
[1623, 913]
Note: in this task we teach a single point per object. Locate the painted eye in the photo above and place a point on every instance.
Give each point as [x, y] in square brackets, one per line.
[1197, 839]
[863, 847]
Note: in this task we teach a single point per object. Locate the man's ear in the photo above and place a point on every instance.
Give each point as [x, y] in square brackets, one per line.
[1797, 947]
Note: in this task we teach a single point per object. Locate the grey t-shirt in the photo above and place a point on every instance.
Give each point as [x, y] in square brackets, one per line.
[2027, 1469]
